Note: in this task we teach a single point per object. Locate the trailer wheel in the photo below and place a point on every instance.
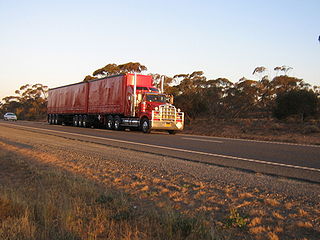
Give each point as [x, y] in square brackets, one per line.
[56, 119]
[50, 119]
[172, 132]
[84, 121]
[110, 122]
[75, 121]
[145, 125]
[117, 122]
[80, 120]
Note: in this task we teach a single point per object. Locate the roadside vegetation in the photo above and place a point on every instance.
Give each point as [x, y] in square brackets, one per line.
[55, 188]
[28, 103]
[42, 202]
[290, 130]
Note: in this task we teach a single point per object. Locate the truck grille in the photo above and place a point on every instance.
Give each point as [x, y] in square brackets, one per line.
[167, 117]
[167, 113]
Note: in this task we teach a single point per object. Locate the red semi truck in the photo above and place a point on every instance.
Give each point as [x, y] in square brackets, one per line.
[115, 102]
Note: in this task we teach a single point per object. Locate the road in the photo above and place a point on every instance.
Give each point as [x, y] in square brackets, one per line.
[281, 159]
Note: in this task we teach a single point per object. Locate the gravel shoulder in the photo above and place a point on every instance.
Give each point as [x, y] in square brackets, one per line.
[272, 208]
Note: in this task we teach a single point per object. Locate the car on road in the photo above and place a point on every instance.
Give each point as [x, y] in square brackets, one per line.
[9, 116]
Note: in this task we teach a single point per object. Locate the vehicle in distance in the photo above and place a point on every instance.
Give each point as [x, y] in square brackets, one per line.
[115, 102]
[9, 116]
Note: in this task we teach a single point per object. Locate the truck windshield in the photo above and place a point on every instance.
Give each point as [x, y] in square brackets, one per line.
[156, 98]
[154, 89]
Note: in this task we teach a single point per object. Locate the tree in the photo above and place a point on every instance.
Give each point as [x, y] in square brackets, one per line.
[285, 83]
[88, 78]
[213, 96]
[191, 83]
[296, 102]
[259, 70]
[132, 67]
[189, 93]
[29, 103]
[283, 68]
[242, 98]
[113, 69]
[168, 86]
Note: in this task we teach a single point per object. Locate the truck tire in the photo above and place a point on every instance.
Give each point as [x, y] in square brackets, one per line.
[58, 119]
[172, 132]
[110, 122]
[49, 119]
[75, 121]
[145, 125]
[80, 118]
[85, 121]
[117, 122]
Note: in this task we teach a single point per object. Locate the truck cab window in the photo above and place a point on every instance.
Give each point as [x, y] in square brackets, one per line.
[154, 89]
[142, 88]
[156, 98]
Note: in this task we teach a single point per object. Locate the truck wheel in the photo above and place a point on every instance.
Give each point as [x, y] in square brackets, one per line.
[117, 122]
[84, 121]
[75, 121]
[110, 122]
[172, 132]
[56, 119]
[145, 125]
[80, 121]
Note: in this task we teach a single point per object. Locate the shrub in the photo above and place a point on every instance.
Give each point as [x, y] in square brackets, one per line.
[296, 102]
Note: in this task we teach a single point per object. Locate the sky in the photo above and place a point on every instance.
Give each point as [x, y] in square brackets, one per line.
[60, 42]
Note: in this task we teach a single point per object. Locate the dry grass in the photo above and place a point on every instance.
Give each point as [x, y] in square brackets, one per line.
[37, 202]
[271, 202]
[258, 129]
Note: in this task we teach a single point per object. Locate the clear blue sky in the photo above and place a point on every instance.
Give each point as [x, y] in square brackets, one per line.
[60, 42]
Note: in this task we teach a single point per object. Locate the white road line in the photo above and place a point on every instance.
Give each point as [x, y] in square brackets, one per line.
[174, 149]
[201, 140]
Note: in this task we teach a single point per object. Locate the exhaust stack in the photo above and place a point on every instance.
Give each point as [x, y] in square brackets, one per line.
[134, 95]
[162, 83]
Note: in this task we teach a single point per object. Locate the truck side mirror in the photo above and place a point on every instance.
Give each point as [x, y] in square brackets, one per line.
[169, 99]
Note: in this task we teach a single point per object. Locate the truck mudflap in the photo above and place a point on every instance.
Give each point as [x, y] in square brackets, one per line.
[167, 118]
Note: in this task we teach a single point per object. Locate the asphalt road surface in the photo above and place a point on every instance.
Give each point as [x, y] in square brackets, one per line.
[281, 159]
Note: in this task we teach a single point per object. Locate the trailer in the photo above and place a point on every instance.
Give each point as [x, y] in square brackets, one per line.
[115, 102]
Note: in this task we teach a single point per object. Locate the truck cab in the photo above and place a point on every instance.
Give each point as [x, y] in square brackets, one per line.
[157, 112]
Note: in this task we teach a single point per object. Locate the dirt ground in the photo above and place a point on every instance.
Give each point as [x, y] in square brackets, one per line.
[233, 209]
[258, 129]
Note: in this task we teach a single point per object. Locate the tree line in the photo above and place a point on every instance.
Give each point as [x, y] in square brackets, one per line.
[29, 102]
[280, 96]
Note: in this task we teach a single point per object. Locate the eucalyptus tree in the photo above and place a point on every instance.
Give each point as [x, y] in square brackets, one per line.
[113, 69]
[29, 102]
